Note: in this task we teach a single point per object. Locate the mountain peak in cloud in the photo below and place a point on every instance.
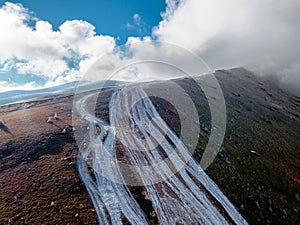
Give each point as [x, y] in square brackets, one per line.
[261, 35]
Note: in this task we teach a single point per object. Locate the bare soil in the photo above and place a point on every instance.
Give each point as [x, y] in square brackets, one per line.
[258, 167]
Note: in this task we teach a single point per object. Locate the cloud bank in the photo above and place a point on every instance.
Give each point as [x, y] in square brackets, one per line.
[261, 35]
[30, 47]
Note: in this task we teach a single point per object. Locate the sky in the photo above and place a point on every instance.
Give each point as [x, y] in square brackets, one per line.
[112, 17]
[46, 44]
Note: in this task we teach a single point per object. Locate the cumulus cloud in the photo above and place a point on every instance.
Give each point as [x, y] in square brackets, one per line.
[8, 86]
[55, 55]
[142, 59]
[262, 35]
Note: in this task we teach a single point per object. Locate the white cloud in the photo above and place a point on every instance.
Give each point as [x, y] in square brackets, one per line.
[51, 69]
[228, 33]
[138, 24]
[262, 35]
[40, 50]
[137, 18]
[8, 86]
[129, 26]
[141, 59]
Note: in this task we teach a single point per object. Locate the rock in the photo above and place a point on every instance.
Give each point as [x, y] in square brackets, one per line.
[254, 152]
[205, 129]
[146, 195]
[1, 123]
[223, 149]
[269, 122]
[297, 197]
[257, 204]
[153, 214]
[295, 210]
[285, 212]
[236, 94]
[50, 120]
[228, 163]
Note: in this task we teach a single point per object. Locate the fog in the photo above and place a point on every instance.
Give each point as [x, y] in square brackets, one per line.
[260, 35]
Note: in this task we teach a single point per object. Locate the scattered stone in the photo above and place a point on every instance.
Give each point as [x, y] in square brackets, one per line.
[269, 122]
[228, 163]
[285, 212]
[68, 158]
[205, 129]
[153, 214]
[52, 203]
[297, 197]
[55, 116]
[1, 123]
[257, 204]
[146, 195]
[50, 120]
[254, 152]
[222, 149]
[295, 209]
[236, 94]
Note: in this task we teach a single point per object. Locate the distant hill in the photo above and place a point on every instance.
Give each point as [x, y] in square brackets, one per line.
[20, 95]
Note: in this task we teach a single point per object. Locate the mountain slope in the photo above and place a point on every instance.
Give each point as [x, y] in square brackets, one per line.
[257, 168]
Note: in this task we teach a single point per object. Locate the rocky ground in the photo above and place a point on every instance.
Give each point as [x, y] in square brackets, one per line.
[257, 168]
[39, 183]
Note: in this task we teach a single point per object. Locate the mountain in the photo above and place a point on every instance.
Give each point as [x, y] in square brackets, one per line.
[20, 95]
[257, 167]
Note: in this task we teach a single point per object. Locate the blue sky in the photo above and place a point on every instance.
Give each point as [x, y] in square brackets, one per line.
[110, 17]
[47, 43]
[107, 24]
